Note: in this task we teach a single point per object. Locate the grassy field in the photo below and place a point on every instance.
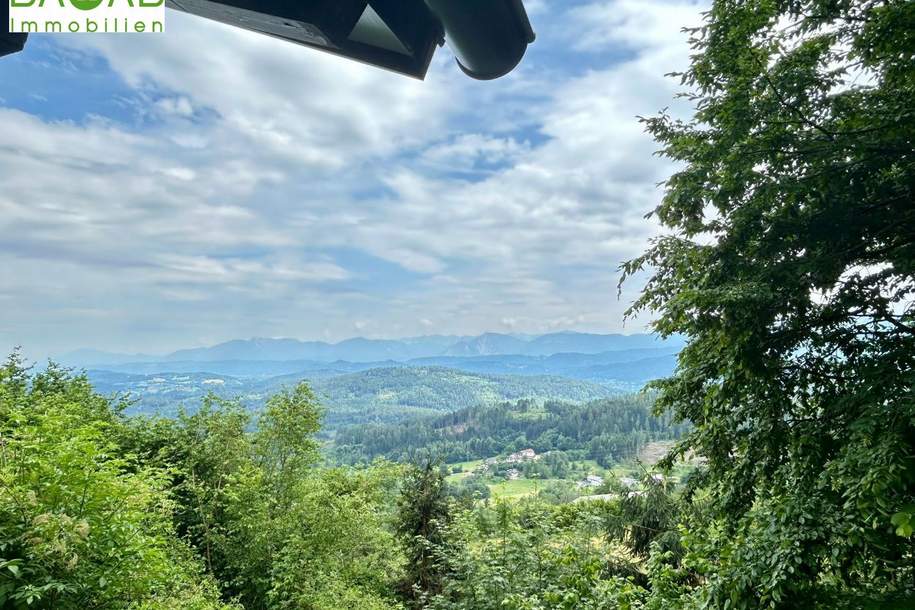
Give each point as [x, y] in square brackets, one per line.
[507, 490]
[467, 469]
[467, 466]
[590, 467]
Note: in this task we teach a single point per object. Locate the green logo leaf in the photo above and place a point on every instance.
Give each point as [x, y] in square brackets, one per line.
[85, 5]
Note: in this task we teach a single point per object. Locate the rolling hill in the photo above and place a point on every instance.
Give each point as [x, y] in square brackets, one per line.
[375, 395]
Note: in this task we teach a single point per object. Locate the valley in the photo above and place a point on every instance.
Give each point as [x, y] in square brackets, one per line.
[364, 389]
[469, 404]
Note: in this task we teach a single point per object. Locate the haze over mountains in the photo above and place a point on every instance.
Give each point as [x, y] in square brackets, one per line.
[362, 350]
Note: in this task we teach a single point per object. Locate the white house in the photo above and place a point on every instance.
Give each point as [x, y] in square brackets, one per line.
[525, 455]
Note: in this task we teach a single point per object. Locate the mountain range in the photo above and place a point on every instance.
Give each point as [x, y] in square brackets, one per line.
[362, 350]
[633, 366]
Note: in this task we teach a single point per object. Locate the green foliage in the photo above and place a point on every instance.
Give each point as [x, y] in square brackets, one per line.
[643, 519]
[422, 516]
[532, 556]
[274, 529]
[789, 266]
[82, 525]
[341, 553]
[97, 511]
[469, 491]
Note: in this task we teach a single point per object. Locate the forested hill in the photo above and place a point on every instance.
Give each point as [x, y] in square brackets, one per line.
[377, 395]
[388, 394]
[604, 430]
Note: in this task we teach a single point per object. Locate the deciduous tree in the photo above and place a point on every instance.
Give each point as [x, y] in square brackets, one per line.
[789, 263]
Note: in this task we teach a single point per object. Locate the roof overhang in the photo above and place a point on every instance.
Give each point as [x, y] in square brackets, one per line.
[489, 37]
[399, 35]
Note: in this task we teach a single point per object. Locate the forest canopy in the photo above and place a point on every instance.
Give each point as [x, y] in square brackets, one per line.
[607, 431]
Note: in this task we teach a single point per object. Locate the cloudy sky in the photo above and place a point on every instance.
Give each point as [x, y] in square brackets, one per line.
[181, 189]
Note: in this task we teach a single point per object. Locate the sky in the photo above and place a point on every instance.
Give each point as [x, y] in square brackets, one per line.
[162, 191]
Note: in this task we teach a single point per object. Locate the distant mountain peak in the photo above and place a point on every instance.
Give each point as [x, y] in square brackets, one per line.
[365, 350]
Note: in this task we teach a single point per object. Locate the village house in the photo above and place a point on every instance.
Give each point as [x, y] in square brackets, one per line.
[525, 455]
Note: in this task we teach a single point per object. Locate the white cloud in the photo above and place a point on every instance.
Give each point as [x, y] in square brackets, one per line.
[308, 108]
[465, 151]
[180, 106]
[203, 227]
[631, 24]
